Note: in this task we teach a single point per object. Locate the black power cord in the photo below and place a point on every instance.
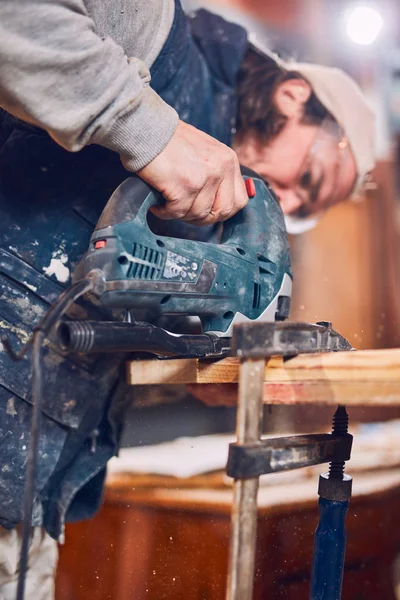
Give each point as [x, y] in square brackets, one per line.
[40, 333]
[32, 463]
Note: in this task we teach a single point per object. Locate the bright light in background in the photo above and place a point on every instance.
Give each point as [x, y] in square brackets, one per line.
[363, 25]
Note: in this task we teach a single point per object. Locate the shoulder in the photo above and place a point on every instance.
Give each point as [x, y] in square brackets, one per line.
[222, 43]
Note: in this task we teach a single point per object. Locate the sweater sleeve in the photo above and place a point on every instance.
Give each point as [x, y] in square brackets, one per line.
[58, 74]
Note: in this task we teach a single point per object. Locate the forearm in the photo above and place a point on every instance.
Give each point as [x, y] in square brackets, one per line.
[56, 73]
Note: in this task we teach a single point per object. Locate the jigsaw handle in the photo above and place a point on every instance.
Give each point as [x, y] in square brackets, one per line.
[247, 229]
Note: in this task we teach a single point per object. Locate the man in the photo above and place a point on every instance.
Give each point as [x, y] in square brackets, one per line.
[77, 97]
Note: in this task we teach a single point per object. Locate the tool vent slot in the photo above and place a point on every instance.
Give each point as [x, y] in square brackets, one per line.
[266, 266]
[256, 295]
[148, 264]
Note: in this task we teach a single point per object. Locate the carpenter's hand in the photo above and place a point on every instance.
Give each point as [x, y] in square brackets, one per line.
[199, 178]
[213, 394]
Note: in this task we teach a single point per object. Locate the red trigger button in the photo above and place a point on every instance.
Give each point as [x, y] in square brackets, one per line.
[250, 188]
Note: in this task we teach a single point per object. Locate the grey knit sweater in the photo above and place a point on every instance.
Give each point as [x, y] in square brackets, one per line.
[80, 70]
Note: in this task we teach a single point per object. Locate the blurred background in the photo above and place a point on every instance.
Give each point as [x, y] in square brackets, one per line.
[346, 271]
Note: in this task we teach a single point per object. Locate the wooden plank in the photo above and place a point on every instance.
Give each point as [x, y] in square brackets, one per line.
[364, 377]
[186, 370]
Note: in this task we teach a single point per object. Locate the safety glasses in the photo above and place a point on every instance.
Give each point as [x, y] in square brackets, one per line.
[317, 184]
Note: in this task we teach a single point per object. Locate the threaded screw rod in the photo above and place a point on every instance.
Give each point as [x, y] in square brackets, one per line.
[340, 426]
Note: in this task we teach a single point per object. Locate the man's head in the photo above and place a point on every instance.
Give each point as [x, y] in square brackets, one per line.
[305, 128]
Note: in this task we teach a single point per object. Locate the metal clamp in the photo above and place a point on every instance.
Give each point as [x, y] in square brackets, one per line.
[286, 453]
[262, 340]
[253, 343]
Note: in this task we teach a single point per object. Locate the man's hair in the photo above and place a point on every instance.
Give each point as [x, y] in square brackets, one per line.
[258, 79]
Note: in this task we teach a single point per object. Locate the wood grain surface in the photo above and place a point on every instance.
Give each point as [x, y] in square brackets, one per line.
[364, 377]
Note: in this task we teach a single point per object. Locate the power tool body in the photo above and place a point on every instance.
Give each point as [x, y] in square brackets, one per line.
[245, 277]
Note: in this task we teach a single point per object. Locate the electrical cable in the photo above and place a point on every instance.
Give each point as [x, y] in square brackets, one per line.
[52, 316]
[40, 333]
[32, 463]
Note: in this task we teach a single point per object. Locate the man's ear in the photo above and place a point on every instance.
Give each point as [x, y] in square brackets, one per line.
[290, 97]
